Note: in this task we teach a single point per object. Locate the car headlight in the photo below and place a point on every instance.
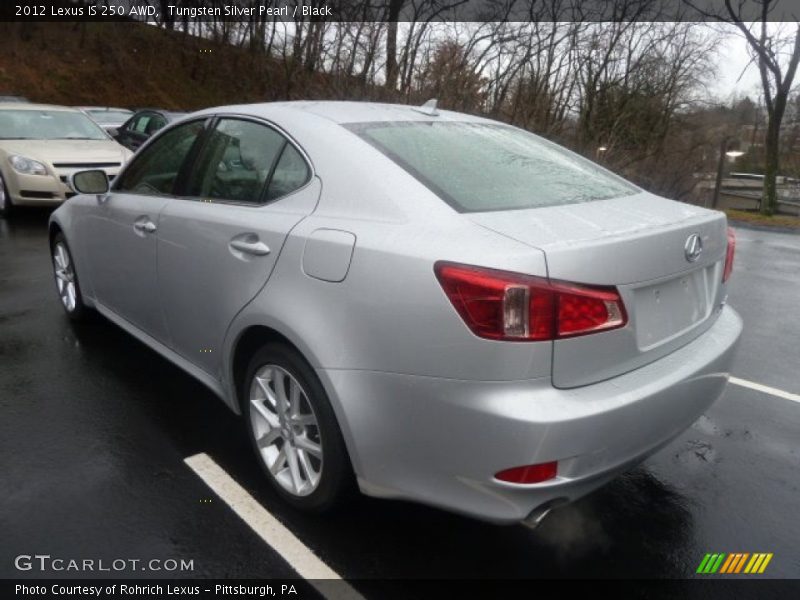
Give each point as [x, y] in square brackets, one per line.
[27, 166]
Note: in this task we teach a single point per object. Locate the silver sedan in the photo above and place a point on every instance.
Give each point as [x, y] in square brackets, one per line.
[415, 303]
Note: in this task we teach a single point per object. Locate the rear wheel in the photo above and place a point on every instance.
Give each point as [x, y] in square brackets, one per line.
[294, 431]
[69, 290]
[6, 205]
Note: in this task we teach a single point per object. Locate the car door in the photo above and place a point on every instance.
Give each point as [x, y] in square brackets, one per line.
[120, 232]
[218, 244]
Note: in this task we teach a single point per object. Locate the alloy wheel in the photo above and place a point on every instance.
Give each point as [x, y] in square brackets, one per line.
[3, 199]
[286, 430]
[65, 276]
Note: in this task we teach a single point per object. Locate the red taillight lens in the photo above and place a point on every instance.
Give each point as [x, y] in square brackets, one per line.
[529, 473]
[500, 305]
[729, 255]
[478, 296]
[584, 310]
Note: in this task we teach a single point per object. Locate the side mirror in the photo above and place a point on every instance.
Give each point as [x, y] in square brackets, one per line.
[94, 181]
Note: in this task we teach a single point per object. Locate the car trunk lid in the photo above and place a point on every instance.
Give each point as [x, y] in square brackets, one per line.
[638, 244]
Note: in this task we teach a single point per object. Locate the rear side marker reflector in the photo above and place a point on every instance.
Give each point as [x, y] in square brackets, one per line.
[501, 305]
[729, 255]
[529, 474]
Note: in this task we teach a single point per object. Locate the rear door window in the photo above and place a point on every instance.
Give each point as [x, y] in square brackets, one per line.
[291, 173]
[246, 162]
[236, 162]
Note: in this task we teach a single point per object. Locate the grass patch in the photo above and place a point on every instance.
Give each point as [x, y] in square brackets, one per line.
[756, 218]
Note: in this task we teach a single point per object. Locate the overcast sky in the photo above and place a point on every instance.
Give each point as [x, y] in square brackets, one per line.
[732, 58]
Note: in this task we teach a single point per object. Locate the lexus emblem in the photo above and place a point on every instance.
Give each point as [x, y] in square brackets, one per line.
[693, 247]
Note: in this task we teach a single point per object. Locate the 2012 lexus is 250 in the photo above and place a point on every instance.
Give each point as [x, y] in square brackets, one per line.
[418, 303]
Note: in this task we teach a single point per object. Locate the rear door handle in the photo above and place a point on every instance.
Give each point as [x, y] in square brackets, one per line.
[250, 246]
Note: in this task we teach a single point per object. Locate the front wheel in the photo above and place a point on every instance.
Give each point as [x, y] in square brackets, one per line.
[69, 290]
[294, 430]
[6, 207]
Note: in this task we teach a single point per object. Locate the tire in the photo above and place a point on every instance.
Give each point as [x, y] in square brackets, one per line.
[67, 285]
[6, 206]
[306, 433]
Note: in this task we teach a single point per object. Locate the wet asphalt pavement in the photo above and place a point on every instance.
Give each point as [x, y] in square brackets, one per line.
[94, 428]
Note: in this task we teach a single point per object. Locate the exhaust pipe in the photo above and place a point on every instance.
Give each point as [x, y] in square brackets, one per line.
[538, 514]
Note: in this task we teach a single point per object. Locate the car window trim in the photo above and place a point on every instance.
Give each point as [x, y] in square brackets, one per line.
[287, 139]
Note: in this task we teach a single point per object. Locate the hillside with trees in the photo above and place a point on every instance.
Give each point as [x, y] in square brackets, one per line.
[632, 95]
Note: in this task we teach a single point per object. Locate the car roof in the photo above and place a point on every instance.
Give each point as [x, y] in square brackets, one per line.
[31, 106]
[348, 111]
[169, 114]
[107, 108]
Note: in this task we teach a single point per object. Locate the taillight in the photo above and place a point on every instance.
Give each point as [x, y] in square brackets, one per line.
[729, 255]
[529, 473]
[501, 305]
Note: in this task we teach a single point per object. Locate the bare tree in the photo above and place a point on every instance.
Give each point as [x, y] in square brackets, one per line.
[395, 6]
[777, 83]
[777, 53]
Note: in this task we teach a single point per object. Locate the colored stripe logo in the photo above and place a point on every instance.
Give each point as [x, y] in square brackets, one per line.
[734, 563]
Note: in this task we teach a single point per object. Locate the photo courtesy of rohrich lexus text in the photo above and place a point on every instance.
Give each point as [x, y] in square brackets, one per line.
[399, 299]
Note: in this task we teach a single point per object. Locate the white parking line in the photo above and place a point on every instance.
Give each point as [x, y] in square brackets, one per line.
[272, 531]
[765, 389]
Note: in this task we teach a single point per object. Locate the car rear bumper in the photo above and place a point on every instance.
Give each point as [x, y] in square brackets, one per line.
[440, 441]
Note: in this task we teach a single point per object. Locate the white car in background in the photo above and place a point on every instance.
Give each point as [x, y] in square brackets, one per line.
[42, 145]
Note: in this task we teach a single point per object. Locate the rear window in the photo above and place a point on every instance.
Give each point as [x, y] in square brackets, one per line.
[477, 167]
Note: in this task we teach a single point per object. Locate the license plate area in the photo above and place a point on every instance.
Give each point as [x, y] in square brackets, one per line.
[668, 309]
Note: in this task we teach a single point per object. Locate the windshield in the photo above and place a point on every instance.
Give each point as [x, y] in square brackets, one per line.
[110, 116]
[48, 125]
[478, 167]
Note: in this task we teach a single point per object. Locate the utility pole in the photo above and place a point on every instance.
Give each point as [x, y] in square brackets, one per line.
[723, 152]
[723, 148]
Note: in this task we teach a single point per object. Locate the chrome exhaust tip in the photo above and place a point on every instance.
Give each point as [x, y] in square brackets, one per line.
[538, 514]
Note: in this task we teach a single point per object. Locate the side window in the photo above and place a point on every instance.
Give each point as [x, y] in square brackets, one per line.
[154, 171]
[236, 162]
[290, 173]
[156, 123]
[140, 126]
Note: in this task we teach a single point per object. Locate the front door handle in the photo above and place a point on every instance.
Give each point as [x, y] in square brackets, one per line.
[144, 225]
[250, 246]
